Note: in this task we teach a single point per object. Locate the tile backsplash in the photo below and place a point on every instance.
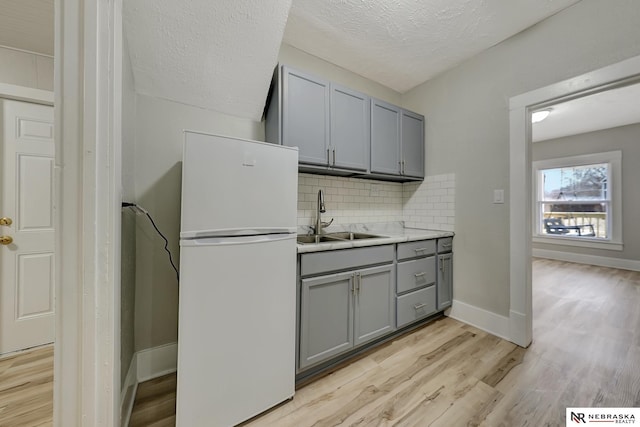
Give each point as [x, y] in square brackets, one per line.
[349, 200]
[429, 204]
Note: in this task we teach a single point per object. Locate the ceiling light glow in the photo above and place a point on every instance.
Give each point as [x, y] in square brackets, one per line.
[539, 116]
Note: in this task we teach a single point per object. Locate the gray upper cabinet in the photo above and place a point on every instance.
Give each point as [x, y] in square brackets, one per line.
[397, 141]
[305, 116]
[385, 138]
[340, 131]
[350, 118]
[412, 147]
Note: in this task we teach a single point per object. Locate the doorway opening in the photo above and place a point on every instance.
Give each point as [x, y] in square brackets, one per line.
[521, 180]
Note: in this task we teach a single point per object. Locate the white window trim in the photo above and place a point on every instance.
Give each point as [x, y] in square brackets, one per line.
[615, 241]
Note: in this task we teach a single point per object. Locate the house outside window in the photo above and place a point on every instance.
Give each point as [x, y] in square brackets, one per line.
[578, 200]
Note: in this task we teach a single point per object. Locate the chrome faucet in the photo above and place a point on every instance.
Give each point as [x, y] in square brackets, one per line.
[321, 209]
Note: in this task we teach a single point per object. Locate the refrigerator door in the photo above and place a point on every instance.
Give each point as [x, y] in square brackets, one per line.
[236, 351]
[237, 187]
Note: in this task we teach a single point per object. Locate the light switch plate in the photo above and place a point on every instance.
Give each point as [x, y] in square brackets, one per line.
[498, 196]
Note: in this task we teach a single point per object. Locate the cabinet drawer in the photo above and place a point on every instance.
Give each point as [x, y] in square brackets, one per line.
[327, 261]
[416, 249]
[416, 305]
[416, 274]
[445, 245]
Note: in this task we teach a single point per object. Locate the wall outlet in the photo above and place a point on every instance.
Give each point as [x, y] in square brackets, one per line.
[498, 196]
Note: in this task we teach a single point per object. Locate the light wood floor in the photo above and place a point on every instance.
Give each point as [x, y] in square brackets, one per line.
[26, 388]
[586, 352]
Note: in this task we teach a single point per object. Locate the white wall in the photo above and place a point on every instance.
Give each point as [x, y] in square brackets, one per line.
[128, 234]
[626, 139]
[158, 157]
[26, 69]
[467, 126]
[303, 61]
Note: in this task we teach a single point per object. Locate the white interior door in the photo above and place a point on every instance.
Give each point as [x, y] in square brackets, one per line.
[26, 226]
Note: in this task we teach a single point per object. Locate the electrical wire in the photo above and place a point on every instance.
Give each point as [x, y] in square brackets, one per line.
[166, 242]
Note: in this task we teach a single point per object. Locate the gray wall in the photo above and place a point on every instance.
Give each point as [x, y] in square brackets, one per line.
[626, 139]
[467, 126]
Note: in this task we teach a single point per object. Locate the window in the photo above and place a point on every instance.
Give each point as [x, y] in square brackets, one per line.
[577, 199]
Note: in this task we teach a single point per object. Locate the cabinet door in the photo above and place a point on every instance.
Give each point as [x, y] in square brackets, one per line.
[412, 144]
[326, 317]
[385, 138]
[374, 303]
[350, 127]
[445, 280]
[305, 119]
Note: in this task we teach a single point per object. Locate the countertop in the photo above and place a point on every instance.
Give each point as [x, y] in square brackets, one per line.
[389, 233]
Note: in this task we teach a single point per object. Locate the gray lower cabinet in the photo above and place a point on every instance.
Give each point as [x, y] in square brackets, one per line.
[343, 310]
[445, 280]
[374, 310]
[416, 305]
[326, 317]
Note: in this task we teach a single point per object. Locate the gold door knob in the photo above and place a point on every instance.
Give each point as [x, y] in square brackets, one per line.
[6, 240]
[5, 221]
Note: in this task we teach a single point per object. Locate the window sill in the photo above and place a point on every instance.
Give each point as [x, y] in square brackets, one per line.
[579, 241]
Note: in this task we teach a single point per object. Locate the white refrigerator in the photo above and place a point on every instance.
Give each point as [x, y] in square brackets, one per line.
[236, 331]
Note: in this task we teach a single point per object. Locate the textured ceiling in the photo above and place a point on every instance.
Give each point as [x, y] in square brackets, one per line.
[603, 110]
[27, 25]
[402, 43]
[217, 55]
[220, 54]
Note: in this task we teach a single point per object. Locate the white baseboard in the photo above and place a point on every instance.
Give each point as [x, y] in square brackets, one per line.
[145, 365]
[483, 319]
[520, 328]
[625, 264]
[128, 392]
[157, 361]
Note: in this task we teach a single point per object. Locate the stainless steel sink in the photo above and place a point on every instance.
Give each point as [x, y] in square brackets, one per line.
[314, 238]
[333, 237]
[352, 236]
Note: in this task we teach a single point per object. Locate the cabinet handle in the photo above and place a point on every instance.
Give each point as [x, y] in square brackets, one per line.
[420, 249]
[420, 274]
[443, 266]
[446, 245]
[328, 156]
[403, 167]
[334, 157]
[359, 279]
[419, 306]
